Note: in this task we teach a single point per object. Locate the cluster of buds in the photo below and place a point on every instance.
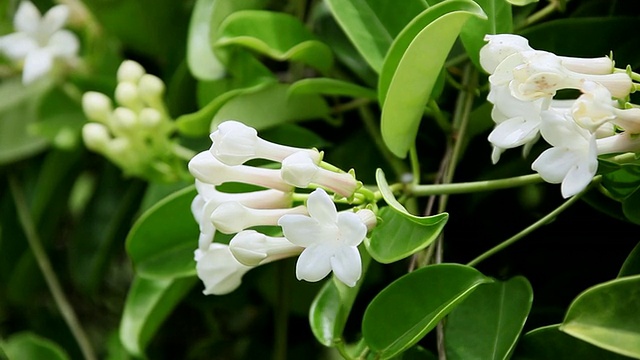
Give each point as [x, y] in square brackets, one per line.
[325, 240]
[524, 83]
[39, 42]
[136, 135]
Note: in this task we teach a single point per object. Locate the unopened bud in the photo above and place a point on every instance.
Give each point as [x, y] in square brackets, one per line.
[95, 136]
[130, 71]
[150, 86]
[150, 118]
[124, 119]
[127, 95]
[96, 106]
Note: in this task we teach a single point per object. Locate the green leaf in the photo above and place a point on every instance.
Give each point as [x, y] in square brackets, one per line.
[331, 307]
[371, 25]
[18, 112]
[498, 21]
[631, 265]
[486, 325]
[606, 316]
[326, 86]
[148, 304]
[277, 35]
[522, 2]
[162, 241]
[622, 182]
[550, 343]
[202, 62]
[631, 206]
[408, 76]
[401, 314]
[28, 346]
[250, 108]
[400, 235]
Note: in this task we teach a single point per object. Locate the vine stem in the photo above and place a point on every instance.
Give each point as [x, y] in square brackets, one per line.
[66, 310]
[473, 186]
[524, 232]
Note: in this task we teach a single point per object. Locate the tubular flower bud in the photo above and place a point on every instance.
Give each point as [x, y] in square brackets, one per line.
[499, 47]
[95, 136]
[206, 168]
[219, 270]
[233, 217]
[96, 106]
[235, 143]
[252, 248]
[300, 170]
[130, 71]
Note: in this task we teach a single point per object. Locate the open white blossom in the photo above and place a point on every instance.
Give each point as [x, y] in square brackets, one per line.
[39, 40]
[235, 143]
[218, 269]
[330, 240]
[573, 158]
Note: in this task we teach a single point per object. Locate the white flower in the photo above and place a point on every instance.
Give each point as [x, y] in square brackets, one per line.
[330, 240]
[499, 47]
[218, 269]
[209, 198]
[232, 217]
[573, 159]
[299, 169]
[206, 168]
[39, 40]
[253, 248]
[235, 143]
[594, 107]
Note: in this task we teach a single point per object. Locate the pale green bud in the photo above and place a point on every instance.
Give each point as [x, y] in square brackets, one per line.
[96, 136]
[127, 95]
[130, 71]
[96, 106]
[150, 118]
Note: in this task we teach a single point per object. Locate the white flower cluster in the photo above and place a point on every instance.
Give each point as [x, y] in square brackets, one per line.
[524, 83]
[39, 41]
[134, 135]
[325, 239]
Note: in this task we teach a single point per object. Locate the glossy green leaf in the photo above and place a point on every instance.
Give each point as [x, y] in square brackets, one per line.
[522, 2]
[408, 76]
[199, 122]
[270, 106]
[487, 324]
[371, 25]
[631, 206]
[548, 342]
[221, 9]
[401, 314]
[331, 307]
[326, 86]
[498, 21]
[606, 315]
[622, 182]
[399, 235]
[29, 346]
[276, 35]
[202, 62]
[631, 265]
[162, 241]
[18, 112]
[148, 304]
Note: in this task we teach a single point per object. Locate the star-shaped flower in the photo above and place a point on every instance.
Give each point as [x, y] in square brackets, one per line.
[39, 40]
[330, 240]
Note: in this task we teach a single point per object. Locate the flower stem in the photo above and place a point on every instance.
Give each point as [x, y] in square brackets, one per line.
[540, 15]
[66, 310]
[550, 216]
[473, 186]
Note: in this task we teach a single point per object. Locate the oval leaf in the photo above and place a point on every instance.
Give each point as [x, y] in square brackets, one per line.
[631, 265]
[550, 343]
[249, 108]
[202, 62]
[408, 75]
[148, 304]
[606, 316]
[277, 35]
[401, 314]
[326, 86]
[331, 307]
[29, 346]
[162, 241]
[498, 21]
[487, 324]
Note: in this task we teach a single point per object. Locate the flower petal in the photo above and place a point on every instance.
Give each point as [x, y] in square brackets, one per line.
[554, 164]
[351, 229]
[302, 230]
[64, 44]
[53, 20]
[314, 263]
[220, 272]
[514, 132]
[27, 18]
[16, 46]
[321, 207]
[37, 64]
[346, 265]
